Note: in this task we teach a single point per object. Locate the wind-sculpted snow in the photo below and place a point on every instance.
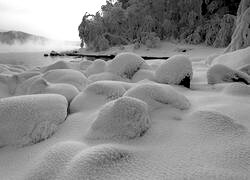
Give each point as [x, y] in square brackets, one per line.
[123, 119]
[245, 69]
[98, 91]
[176, 70]
[222, 74]
[30, 119]
[156, 96]
[126, 65]
[42, 86]
[69, 76]
[98, 66]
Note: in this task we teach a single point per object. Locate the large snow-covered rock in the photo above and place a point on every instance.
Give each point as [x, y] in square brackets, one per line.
[245, 69]
[223, 74]
[96, 94]
[156, 96]
[126, 65]
[98, 66]
[42, 86]
[69, 76]
[234, 59]
[30, 119]
[123, 119]
[176, 70]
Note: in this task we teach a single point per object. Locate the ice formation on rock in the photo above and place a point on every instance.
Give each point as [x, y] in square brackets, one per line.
[123, 119]
[176, 70]
[30, 119]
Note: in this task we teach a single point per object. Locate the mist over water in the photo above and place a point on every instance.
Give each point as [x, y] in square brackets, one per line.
[38, 46]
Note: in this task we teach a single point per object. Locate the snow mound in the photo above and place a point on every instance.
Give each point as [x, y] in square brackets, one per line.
[245, 69]
[69, 76]
[156, 96]
[30, 119]
[42, 86]
[98, 91]
[53, 162]
[237, 89]
[57, 65]
[22, 88]
[123, 119]
[220, 74]
[126, 65]
[83, 65]
[98, 162]
[235, 59]
[143, 74]
[106, 76]
[176, 70]
[98, 66]
[211, 123]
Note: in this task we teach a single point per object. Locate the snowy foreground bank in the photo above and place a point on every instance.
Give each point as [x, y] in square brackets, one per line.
[182, 118]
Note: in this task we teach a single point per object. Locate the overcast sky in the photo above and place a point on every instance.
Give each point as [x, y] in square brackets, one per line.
[57, 19]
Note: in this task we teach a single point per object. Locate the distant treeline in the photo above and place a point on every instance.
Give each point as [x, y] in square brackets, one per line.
[147, 22]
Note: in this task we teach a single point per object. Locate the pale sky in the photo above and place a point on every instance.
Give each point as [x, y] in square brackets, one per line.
[57, 19]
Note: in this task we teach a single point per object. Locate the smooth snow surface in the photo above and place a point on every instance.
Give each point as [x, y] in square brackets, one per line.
[124, 124]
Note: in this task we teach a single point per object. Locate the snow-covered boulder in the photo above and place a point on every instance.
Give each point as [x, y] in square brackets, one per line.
[223, 74]
[106, 76]
[96, 94]
[98, 66]
[237, 89]
[72, 161]
[83, 65]
[235, 59]
[30, 119]
[245, 69]
[212, 123]
[22, 88]
[143, 74]
[126, 65]
[42, 86]
[69, 76]
[51, 164]
[123, 119]
[176, 70]
[57, 65]
[99, 162]
[156, 96]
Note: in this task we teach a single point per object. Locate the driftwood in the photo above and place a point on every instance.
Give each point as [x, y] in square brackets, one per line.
[108, 57]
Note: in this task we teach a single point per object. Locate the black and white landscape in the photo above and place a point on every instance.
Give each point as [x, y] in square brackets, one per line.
[182, 117]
